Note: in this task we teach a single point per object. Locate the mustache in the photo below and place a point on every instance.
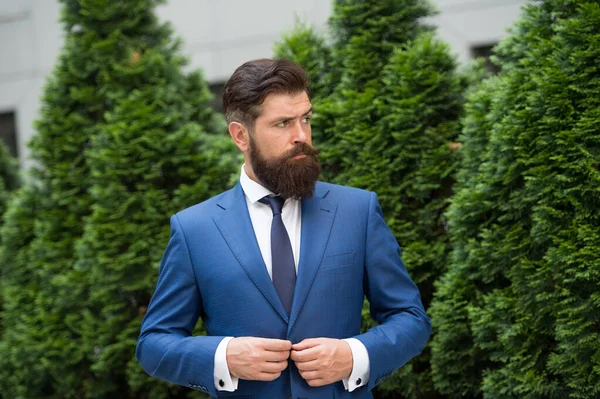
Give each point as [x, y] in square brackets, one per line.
[301, 149]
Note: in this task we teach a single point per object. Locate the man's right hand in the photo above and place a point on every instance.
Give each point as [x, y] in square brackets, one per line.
[260, 359]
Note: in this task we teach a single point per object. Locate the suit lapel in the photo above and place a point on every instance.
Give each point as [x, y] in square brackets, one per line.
[317, 218]
[236, 228]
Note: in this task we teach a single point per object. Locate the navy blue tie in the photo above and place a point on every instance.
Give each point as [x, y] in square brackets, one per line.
[282, 257]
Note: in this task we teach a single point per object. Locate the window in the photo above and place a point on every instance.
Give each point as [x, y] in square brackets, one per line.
[486, 51]
[8, 131]
[217, 91]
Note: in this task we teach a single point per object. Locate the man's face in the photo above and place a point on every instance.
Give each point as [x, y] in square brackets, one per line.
[280, 146]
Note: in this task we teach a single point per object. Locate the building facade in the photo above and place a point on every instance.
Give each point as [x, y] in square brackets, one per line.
[218, 36]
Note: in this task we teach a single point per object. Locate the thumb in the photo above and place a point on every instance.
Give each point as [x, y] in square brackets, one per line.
[306, 344]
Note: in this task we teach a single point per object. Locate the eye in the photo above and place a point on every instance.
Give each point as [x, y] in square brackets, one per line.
[306, 119]
[281, 124]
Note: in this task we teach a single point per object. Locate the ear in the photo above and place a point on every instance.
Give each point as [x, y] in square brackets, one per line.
[239, 134]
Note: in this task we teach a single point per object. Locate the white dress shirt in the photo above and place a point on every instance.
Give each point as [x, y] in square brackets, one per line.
[261, 216]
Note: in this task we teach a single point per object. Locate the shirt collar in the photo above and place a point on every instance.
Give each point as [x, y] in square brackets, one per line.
[253, 190]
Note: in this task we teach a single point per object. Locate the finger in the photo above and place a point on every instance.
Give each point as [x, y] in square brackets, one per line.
[272, 356]
[267, 376]
[306, 344]
[310, 375]
[317, 382]
[306, 355]
[312, 365]
[276, 344]
[273, 367]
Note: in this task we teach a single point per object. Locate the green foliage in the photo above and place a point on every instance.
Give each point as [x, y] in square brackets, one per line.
[389, 124]
[152, 159]
[366, 33]
[9, 181]
[407, 156]
[518, 312]
[20, 282]
[9, 177]
[453, 354]
[304, 46]
[125, 139]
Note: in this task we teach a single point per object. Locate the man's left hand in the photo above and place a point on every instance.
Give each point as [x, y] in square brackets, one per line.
[322, 361]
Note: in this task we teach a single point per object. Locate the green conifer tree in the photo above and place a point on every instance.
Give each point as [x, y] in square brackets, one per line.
[19, 283]
[9, 177]
[41, 325]
[117, 96]
[518, 310]
[454, 355]
[9, 181]
[306, 47]
[158, 153]
[407, 155]
[364, 35]
[389, 125]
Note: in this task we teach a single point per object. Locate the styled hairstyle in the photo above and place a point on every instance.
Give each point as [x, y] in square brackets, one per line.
[253, 81]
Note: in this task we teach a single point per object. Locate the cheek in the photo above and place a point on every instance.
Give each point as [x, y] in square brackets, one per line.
[308, 132]
[273, 146]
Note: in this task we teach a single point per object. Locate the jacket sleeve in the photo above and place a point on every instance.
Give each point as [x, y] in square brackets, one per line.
[166, 348]
[395, 302]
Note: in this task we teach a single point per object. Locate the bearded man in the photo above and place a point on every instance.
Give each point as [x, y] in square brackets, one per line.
[278, 268]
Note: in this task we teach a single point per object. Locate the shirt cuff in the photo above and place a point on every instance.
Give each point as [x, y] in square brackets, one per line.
[224, 381]
[360, 366]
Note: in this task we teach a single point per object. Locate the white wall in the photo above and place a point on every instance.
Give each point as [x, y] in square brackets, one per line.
[30, 38]
[218, 35]
[465, 24]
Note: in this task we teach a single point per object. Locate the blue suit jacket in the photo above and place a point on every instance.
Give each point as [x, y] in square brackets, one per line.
[212, 268]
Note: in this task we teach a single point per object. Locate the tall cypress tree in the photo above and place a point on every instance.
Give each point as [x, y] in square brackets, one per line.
[116, 97]
[20, 281]
[306, 47]
[457, 364]
[41, 336]
[406, 154]
[478, 208]
[365, 34]
[521, 296]
[9, 177]
[9, 181]
[389, 125]
[162, 149]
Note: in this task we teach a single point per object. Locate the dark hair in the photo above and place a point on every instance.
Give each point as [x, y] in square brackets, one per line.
[252, 82]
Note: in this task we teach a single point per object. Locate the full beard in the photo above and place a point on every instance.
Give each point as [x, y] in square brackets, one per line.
[285, 176]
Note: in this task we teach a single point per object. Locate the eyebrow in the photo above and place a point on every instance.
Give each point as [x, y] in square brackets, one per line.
[289, 118]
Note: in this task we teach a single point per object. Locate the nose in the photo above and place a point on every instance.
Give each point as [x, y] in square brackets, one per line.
[301, 132]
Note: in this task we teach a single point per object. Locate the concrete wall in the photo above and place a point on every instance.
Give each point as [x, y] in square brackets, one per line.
[465, 24]
[219, 35]
[30, 39]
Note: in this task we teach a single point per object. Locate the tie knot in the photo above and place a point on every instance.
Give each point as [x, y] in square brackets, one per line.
[276, 203]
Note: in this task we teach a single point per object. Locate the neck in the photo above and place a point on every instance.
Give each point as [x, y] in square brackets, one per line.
[250, 172]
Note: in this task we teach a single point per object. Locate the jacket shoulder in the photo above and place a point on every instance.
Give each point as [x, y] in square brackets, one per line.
[343, 193]
[202, 210]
